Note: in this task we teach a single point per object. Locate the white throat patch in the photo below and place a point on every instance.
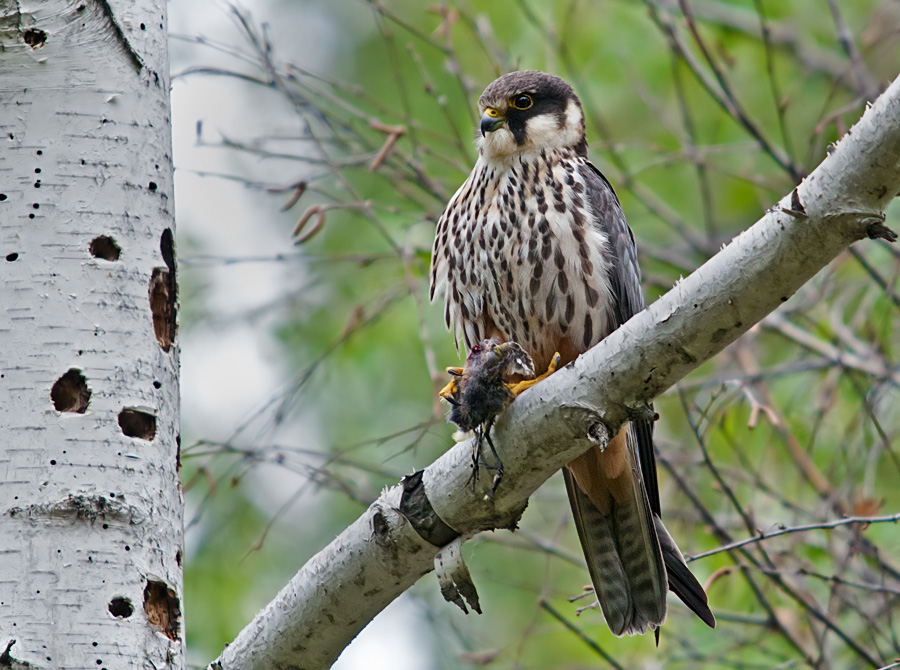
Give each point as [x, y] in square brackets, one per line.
[498, 146]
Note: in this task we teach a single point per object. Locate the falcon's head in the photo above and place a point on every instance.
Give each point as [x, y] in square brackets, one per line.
[529, 111]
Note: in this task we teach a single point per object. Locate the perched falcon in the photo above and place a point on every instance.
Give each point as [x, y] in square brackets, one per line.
[534, 248]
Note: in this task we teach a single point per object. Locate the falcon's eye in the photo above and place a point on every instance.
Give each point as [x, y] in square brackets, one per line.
[522, 101]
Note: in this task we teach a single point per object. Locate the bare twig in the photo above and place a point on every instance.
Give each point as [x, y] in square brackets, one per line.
[787, 530]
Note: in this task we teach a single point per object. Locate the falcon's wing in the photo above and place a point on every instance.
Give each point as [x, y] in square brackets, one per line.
[625, 274]
[625, 279]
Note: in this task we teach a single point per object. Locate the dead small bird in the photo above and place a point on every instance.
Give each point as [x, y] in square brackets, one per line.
[482, 389]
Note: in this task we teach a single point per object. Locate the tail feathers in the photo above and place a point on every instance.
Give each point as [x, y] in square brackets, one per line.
[681, 581]
[624, 559]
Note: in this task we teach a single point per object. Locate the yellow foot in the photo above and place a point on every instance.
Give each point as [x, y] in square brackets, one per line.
[526, 384]
[450, 389]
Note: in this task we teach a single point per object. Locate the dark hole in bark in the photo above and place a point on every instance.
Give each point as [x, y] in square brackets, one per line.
[162, 608]
[106, 248]
[162, 307]
[12, 257]
[34, 37]
[70, 393]
[136, 423]
[6, 660]
[121, 607]
[167, 248]
[163, 294]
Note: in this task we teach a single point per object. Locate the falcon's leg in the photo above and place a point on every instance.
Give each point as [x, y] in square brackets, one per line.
[498, 475]
[476, 456]
[450, 389]
[482, 433]
[526, 384]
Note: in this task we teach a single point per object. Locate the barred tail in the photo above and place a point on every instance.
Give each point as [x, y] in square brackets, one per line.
[632, 559]
[621, 547]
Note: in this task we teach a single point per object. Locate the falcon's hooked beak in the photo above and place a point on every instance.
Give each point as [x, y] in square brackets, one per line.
[490, 121]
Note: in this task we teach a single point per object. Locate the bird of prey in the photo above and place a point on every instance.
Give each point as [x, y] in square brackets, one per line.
[534, 248]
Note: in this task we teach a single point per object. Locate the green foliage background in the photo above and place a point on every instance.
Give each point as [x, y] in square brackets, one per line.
[795, 424]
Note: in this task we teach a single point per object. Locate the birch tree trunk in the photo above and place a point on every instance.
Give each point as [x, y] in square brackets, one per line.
[90, 505]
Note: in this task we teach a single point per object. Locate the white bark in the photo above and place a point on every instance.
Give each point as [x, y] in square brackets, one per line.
[335, 594]
[90, 503]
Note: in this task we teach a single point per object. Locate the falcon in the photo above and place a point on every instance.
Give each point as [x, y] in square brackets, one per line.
[534, 248]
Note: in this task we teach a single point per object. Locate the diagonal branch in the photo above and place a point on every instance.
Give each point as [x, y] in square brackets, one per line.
[380, 555]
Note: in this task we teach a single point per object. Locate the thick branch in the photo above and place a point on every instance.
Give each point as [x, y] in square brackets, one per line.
[339, 590]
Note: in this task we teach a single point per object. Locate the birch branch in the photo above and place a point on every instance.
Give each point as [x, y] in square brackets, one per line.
[380, 555]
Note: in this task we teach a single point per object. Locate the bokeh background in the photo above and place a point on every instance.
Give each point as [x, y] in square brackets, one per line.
[310, 370]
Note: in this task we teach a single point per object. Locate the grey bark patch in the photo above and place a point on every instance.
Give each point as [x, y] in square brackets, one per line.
[76, 507]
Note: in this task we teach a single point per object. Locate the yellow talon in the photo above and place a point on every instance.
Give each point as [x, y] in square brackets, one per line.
[450, 389]
[526, 384]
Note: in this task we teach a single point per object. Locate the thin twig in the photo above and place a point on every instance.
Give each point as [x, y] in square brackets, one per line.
[787, 530]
